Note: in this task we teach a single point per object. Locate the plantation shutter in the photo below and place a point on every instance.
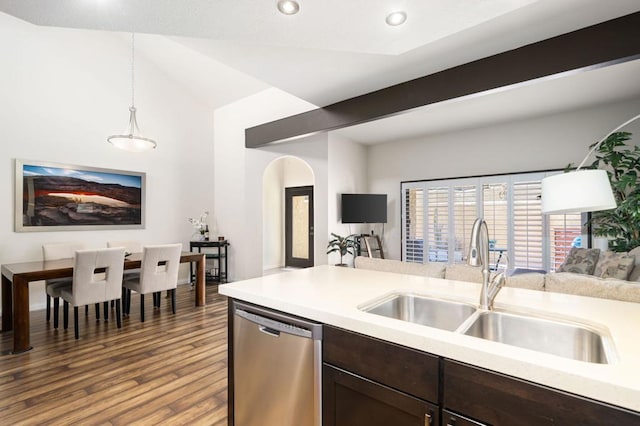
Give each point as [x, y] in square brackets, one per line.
[528, 226]
[495, 213]
[464, 214]
[438, 224]
[565, 231]
[413, 225]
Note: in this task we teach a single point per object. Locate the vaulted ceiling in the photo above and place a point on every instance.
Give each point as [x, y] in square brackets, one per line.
[334, 49]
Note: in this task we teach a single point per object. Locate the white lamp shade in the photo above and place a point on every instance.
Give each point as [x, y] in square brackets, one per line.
[577, 192]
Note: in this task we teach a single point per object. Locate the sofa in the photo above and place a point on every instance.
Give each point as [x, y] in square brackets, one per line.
[569, 279]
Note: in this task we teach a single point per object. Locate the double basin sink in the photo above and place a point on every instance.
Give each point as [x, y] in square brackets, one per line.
[562, 337]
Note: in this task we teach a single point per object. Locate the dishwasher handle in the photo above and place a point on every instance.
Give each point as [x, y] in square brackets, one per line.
[273, 327]
[270, 331]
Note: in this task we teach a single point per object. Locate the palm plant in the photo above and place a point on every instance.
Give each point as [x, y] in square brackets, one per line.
[342, 245]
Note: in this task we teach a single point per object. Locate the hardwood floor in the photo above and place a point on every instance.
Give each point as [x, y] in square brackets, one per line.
[171, 369]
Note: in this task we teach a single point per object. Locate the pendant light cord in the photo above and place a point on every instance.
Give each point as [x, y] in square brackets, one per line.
[595, 146]
[133, 56]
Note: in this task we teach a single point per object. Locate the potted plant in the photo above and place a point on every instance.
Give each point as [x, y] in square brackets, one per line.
[342, 245]
[622, 224]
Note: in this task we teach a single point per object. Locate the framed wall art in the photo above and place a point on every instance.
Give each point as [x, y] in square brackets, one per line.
[60, 197]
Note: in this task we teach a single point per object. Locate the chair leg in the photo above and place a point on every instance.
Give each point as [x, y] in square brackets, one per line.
[75, 321]
[106, 311]
[118, 316]
[86, 310]
[123, 297]
[98, 311]
[56, 304]
[173, 300]
[65, 314]
[141, 307]
[48, 307]
[128, 303]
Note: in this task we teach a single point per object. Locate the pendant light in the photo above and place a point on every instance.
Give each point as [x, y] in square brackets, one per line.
[582, 190]
[132, 140]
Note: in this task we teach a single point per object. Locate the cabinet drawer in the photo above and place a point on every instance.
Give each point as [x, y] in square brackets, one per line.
[407, 370]
[502, 400]
[349, 400]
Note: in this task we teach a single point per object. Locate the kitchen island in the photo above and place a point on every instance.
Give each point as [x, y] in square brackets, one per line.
[332, 296]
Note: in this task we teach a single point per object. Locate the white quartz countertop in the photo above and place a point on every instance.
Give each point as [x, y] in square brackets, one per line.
[332, 295]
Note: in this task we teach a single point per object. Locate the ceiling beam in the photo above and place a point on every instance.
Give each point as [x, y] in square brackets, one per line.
[610, 42]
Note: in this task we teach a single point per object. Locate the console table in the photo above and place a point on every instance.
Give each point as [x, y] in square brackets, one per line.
[217, 251]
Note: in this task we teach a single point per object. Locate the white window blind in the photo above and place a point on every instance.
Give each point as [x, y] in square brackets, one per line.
[438, 224]
[464, 214]
[413, 225]
[564, 232]
[528, 230]
[495, 213]
[438, 217]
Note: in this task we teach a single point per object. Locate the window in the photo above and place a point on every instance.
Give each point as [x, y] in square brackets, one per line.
[413, 225]
[438, 216]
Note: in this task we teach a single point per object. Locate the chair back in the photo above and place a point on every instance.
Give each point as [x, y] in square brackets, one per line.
[159, 269]
[130, 246]
[90, 287]
[55, 251]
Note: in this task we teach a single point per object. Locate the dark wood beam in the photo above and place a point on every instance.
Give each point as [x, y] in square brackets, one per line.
[610, 42]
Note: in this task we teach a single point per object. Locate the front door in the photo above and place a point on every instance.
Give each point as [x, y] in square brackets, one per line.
[299, 226]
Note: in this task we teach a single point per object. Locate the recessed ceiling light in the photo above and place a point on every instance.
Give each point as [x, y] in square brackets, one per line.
[288, 7]
[396, 18]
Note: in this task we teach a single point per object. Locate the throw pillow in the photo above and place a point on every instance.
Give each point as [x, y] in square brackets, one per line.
[614, 265]
[635, 272]
[580, 261]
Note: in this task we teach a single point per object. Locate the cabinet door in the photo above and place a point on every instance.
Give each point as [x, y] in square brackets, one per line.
[407, 370]
[349, 400]
[502, 400]
[452, 419]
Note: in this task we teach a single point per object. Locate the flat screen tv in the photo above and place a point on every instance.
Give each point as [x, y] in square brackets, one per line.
[364, 208]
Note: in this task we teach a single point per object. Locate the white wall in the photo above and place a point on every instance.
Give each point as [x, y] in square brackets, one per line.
[239, 172]
[63, 92]
[347, 174]
[541, 143]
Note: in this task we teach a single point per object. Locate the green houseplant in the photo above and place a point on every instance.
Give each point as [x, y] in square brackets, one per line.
[622, 163]
[342, 245]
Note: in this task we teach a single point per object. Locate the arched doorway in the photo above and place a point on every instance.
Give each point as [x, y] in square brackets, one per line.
[282, 173]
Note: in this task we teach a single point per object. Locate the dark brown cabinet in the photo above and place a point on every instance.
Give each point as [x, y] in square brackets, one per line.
[498, 399]
[350, 400]
[371, 382]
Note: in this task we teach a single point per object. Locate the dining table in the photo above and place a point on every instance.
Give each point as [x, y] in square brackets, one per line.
[16, 278]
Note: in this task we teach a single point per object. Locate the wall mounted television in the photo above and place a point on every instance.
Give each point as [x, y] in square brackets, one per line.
[364, 208]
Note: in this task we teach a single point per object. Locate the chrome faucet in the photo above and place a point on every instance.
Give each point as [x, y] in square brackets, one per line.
[479, 256]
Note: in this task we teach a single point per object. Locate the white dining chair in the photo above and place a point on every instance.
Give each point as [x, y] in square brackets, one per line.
[57, 251]
[158, 272]
[97, 277]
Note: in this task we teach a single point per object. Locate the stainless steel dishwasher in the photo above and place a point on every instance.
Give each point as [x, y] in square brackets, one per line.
[277, 365]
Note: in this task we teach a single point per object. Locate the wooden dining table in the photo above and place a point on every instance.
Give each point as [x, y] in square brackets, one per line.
[17, 276]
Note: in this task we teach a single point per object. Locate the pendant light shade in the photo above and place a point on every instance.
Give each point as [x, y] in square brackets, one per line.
[580, 191]
[132, 140]
[577, 192]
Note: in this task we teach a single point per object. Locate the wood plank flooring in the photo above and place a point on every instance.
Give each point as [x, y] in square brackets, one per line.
[171, 369]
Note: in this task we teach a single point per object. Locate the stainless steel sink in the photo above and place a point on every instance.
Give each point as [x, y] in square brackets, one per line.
[557, 337]
[432, 312]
